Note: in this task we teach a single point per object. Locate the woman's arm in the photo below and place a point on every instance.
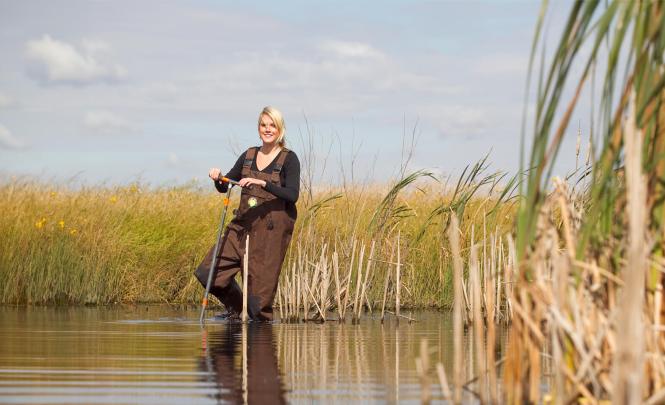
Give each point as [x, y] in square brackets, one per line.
[233, 174]
[290, 176]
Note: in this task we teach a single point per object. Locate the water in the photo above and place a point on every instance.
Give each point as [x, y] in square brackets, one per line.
[160, 354]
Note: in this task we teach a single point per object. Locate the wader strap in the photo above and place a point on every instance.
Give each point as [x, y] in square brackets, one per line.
[250, 155]
[277, 169]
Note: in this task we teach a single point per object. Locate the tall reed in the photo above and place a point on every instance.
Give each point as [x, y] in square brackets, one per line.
[589, 268]
[140, 244]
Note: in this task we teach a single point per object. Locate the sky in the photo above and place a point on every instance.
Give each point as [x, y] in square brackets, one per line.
[113, 92]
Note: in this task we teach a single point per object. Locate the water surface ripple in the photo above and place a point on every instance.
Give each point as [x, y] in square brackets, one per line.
[161, 355]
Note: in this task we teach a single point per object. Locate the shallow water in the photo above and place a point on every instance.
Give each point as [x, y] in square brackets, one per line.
[160, 354]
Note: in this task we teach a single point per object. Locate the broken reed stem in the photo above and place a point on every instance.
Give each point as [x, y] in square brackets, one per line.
[482, 271]
[497, 274]
[279, 304]
[348, 280]
[453, 237]
[397, 277]
[314, 281]
[338, 291]
[301, 298]
[295, 293]
[509, 275]
[385, 286]
[245, 276]
[629, 363]
[316, 304]
[325, 284]
[491, 333]
[359, 274]
[364, 284]
[307, 285]
[478, 324]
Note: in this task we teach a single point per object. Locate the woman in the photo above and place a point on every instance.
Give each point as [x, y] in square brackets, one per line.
[270, 179]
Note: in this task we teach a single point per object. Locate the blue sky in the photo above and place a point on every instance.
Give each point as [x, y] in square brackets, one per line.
[112, 91]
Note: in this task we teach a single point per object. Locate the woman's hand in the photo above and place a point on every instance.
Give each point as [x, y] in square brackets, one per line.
[249, 181]
[215, 173]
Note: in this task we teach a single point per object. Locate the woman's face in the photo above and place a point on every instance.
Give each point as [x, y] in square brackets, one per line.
[268, 130]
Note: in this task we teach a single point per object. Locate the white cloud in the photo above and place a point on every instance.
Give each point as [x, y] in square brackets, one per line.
[172, 160]
[351, 49]
[93, 46]
[6, 101]
[342, 78]
[58, 62]
[9, 141]
[106, 122]
[462, 121]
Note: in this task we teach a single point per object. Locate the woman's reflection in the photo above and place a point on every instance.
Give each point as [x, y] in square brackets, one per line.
[242, 360]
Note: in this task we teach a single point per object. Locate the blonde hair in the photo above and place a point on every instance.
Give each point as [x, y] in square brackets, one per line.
[276, 117]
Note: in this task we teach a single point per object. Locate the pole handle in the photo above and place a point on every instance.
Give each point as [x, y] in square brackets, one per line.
[227, 180]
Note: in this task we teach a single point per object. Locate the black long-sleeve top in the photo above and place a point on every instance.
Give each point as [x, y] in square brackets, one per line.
[289, 188]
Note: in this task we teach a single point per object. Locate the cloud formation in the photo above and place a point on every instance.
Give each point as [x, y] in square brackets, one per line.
[200, 72]
[6, 101]
[347, 49]
[172, 160]
[106, 122]
[462, 121]
[342, 78]
[57, 62]
[9, 141]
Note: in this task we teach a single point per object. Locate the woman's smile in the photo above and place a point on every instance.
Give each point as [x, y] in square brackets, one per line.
[268, 130]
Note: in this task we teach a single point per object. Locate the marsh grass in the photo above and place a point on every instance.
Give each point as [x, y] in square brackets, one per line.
[94, 246]
[588, 289]
[137, 244]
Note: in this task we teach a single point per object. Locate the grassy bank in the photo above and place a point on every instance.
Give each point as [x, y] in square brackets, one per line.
[134, 244]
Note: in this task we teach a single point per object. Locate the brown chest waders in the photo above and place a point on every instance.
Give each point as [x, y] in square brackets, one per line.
[263, 217]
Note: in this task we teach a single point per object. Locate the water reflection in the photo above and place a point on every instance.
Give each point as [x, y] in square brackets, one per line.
[160, 355]
[242, 361]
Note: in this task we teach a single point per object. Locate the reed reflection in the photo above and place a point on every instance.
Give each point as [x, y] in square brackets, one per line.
[242, 361]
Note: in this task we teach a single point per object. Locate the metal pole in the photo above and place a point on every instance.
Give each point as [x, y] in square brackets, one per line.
[220, 233]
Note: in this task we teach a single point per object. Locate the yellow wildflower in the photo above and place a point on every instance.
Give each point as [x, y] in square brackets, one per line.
[39, 224]
[62, 224]
[53, 193]
[113, 199]
[73, 232]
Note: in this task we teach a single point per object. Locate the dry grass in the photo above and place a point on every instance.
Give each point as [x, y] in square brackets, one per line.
[136, 244]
